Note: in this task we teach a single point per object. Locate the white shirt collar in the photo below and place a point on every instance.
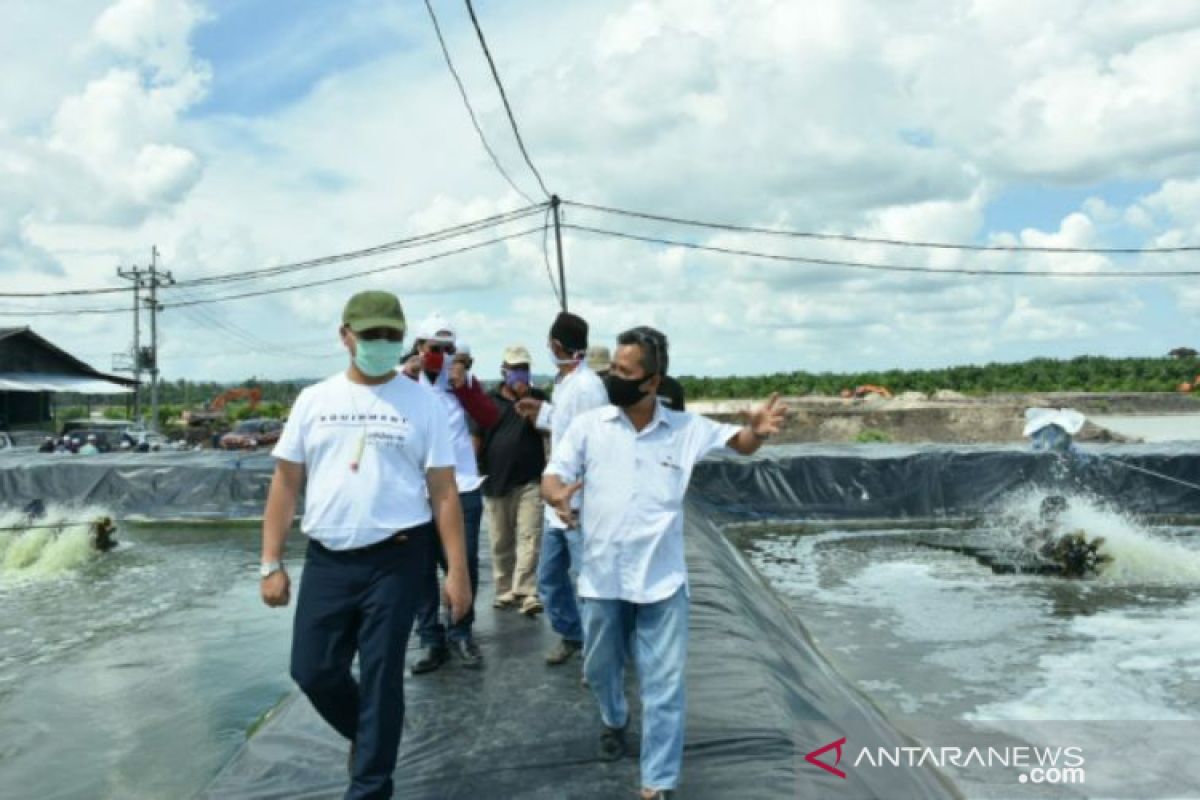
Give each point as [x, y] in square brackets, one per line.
[662, 416]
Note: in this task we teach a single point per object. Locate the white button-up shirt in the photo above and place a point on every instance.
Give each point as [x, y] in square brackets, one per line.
[466, 467]
[633, 488]
[581, 390]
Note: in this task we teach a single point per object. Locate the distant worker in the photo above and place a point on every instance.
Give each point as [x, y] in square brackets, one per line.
[89, 448]
[631, 462]
[467, 405]
[371, 451]
[513, 457]
[577, 390]
[47, 445]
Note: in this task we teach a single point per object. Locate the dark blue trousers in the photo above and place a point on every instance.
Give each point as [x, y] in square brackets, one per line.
[360, 601]
[429, 626]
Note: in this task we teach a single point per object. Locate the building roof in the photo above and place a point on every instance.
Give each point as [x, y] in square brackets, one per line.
[77, 373]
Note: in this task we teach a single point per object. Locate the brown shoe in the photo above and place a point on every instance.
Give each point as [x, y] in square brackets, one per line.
[562, 652]
[531, 606]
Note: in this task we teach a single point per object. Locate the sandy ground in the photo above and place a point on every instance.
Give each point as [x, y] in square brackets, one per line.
[948, 417]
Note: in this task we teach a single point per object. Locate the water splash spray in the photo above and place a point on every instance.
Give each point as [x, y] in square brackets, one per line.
[1140, 555]
[59, 541]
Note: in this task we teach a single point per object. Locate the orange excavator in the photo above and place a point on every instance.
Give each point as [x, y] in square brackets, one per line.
[202, 423]
[253, 394]
[860, 392]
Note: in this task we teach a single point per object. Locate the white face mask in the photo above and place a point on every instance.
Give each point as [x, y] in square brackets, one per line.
[562, 362]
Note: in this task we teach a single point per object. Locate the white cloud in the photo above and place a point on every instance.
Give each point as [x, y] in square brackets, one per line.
[904, 121]
[154, 33]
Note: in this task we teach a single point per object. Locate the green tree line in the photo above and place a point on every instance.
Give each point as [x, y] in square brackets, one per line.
[1082, 374]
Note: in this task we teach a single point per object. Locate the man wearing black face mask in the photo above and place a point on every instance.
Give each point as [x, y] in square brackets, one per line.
[631, 461]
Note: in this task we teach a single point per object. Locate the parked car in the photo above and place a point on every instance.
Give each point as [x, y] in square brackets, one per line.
[252, 433]
[115, 427]
[143, 441]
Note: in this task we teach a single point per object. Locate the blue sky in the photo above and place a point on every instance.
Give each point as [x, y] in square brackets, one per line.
[237, 135]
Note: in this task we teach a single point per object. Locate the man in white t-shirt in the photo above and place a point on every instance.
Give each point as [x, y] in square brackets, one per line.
[631, 462]
[371, 450]
[577, 389]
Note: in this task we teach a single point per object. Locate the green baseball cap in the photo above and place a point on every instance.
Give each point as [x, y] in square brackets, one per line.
[367, 310]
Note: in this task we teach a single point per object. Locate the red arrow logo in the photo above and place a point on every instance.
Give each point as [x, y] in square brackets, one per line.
[814, 757]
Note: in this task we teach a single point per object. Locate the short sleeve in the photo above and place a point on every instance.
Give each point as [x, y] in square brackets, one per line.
[440, 453]
[290, 446]
[567, 457]
[705, 435]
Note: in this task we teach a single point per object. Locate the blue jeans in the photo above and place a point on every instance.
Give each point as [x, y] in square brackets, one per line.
[657, 635]
[558, 568]
[430, 629]
[360, 600]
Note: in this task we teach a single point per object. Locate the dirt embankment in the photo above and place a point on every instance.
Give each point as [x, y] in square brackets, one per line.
[947, 417]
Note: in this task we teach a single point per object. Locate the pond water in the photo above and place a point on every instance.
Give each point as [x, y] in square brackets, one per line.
[136, 673]
[932, 635]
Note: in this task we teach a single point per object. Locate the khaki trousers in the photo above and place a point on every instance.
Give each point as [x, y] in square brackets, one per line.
[515, 530]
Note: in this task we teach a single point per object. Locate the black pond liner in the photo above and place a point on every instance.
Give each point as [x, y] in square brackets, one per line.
[760, 695]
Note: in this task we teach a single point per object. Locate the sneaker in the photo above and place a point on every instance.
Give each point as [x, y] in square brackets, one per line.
[431, 659]
[506, 600]
[467, 652]
[531, 606]
[612, 743]
[562, 652]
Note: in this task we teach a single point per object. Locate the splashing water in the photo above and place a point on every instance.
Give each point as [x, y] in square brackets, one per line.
[50, 545]
[1139, 554]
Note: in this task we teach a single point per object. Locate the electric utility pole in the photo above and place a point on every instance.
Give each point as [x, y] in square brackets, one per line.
[136, 275]
[555, 202]
[154, 280]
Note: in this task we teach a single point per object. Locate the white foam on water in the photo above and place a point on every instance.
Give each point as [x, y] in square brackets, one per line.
[50, 545]
[1139, 554]
[1126, 664]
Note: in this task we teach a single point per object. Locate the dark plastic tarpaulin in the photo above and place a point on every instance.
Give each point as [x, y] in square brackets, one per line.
[760, 693]
[896, 482]
[168, 485]
[814, 482]
[760, 697]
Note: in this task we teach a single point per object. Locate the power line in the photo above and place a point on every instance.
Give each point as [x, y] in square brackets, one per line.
[363, 273]
[19, 311]
[845, 237]
[276, 290]
[462, 91]
[883, 267]
[67, 292]
[504, 97]
[454, 231]
[210, 318]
